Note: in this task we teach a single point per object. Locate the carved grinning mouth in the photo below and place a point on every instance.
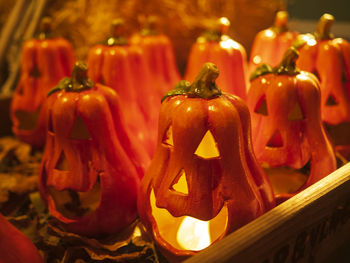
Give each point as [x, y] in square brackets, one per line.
[286, 179]
[185, 232]
[73, 204]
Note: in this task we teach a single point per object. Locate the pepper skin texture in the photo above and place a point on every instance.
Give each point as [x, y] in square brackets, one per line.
[123, 67]
[15, 247]
[329, 59]
[270, 44]
[91, 167]
[229, 56]
[287, 130]
[224, 181]
[44, 62]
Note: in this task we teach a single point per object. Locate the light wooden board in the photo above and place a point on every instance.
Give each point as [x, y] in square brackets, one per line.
[306, 228]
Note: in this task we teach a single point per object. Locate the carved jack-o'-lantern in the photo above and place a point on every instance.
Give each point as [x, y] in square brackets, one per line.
[229, 56]
[329, 59]
[203, 181]
[159, 55]
[44, 62]
[91, 167]
[270, 44]
[123, 68]
[288, 136]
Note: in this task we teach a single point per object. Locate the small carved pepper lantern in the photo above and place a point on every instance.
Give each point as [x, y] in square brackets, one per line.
[270, 44]
[123, 68]
[160, 57]
[44, 62]
[288, 136]
[229, 56]
[203, 182]
[15, 247]
[329, 59]
[91, 168]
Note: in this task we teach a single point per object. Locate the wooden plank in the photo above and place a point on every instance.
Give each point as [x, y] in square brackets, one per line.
[306, 228]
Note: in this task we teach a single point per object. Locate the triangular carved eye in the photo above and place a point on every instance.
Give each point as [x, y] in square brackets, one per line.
[168, 137]
[62, 163]
[207, 147]
[275, 140]
[79, 130]
[261, 106]
[296, 113]
[180, 183]
[331, 101]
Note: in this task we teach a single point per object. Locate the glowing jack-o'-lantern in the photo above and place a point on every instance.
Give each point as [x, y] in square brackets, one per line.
[229, 56]
[123, 68]
[288, 137]
[44, 62]
[270, 44]
[329, 59]
[91, 167]
[203, 181]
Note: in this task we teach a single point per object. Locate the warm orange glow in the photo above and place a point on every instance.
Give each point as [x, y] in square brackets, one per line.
[181, 185]
[193, 234]
[207, 147]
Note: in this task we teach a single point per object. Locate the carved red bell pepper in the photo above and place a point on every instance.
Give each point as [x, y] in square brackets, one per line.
[203, 169]
[329, 59]
[123, 67]
[159, 54]
[230, 57]
[288, 136]
[91, 167]
[15, 247]
[44, 62]
[270, 44]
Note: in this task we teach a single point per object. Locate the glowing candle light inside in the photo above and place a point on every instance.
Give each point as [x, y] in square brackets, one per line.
[193, 234]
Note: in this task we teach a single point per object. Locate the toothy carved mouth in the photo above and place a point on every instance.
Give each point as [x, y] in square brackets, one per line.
[72, 204]
[185, 232]
[288, 180]
[27, 120]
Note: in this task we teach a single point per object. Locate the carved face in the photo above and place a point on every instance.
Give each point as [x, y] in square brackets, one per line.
[199, 186]
[287, 130]
[85, 169]
[43, 64]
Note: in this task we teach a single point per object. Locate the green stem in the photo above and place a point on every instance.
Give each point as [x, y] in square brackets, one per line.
[324, 25]
[287, 66]
[149, 26]
[45, 28]
[281, 22]
[117, 33]
[203, 87]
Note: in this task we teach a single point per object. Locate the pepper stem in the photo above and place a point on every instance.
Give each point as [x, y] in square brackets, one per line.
[79, 75]
[45, 28]
[117, 33]
[281, 22]
[204, 85]
[324, 25]
[149, 26]
[287, 66]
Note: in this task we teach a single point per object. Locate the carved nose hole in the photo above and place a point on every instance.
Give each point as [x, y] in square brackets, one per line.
[275, 140]
[296, 113]
[80, 131]
[27, 120]
[62, 163]
[207, 148]
[180, 183]
[331, 101]
[168, 137]
[261, 106]
[35, 72]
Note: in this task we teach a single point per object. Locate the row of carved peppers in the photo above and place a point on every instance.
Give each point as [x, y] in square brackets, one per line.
[291, 87]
